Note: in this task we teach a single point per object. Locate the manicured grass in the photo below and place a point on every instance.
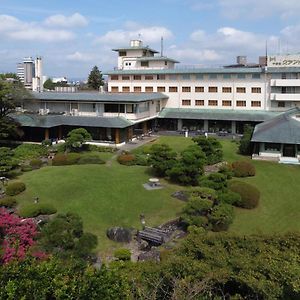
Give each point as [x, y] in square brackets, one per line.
[102, 195]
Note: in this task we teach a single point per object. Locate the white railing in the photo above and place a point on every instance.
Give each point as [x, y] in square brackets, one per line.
[285, 97]
[285, 82]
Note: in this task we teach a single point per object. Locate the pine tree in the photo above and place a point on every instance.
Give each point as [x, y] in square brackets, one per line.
[95, 79]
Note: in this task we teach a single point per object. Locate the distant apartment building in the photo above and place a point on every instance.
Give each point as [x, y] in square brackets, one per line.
[30, 73]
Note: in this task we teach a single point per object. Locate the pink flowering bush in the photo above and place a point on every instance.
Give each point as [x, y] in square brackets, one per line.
[16, 236]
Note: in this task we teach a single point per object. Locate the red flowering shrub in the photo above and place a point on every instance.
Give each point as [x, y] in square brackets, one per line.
[16, 236]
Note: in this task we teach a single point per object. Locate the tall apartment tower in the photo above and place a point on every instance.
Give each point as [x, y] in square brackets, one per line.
[30, 73]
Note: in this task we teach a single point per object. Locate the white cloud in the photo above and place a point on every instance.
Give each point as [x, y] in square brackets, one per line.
[16, 29]
[259, 9]
[79, 56]
[75, 20]
[198, 35]
[147, 34]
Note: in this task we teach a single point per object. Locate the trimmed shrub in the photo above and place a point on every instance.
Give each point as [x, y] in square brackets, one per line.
[102, 149]
[8, 202]
[249, 194]
[216, 181]
[122, 254]
[226, 170]
[26, 168]
[15, 188]
[231, 198]
[36, 209]
[126, 159]
[90, 159]
[13, 174]
[141, 160]
[221, 217]
[28, 151]
[203, 193]
[61, 159]
[35, 163]
[243, 169]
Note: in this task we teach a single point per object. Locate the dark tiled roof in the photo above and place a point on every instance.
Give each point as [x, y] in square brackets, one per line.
[99, 97]
[216, 114]
[48, 121]
[281, 129]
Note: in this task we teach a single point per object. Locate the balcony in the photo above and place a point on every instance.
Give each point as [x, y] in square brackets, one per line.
[285, 97]
[285, 82]
[129, 116]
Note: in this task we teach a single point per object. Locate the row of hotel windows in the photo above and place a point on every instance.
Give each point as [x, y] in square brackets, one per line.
[239, 103]
[183, 76]
[184, 89]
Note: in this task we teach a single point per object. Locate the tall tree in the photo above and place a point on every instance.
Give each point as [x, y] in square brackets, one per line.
[95, 79]
[10, 94]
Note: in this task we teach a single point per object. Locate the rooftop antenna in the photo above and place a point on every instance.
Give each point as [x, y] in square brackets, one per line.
[162, 47]
[266, 48]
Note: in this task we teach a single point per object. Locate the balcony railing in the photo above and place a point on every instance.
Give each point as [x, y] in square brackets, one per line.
[285, 82]
[285, 97]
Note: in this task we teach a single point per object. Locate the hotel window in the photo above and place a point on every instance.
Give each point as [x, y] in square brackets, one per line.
[255, 104]
[129, 108]
[272, 146]
[122, 53]
[212, 102]
[125, 89]
[137, 89]
[226, 103]
[149, 89]
[241, 90]
[137, 77]
[256, 90]
[186, 89]
[241, 103]
[114, 89]
[226, 76]
[281, 104]
[185, 76]
[199, 76]
[144, 63]
[226, 89]
[213, 76]
[199, 89]
[114, 77]
[161, 89]
[212, 89]
[186, 102]
[255, 76]
[173, 89]
[125, 77]
[241, 76]
[161, 77]
[199, 102]
[148, 77]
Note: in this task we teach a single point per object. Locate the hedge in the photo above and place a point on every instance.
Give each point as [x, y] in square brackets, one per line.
[8, 202]
[28, 151]
[249, 194]
[90, 159]
[231, 198]
[15, 188]
[61, 159]
[36, 209]
[243, 169]
[126, 159]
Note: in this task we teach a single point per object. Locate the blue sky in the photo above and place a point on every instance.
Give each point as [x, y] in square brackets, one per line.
[73, 36]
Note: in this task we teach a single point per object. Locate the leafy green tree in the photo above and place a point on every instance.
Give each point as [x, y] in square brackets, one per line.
[162, 159]
[211, 147]
[189, 167]
[7, 161]
[64, 237]
[245, 142]
[49, 84]
[10, 94]
[76, 138]
[95, 79]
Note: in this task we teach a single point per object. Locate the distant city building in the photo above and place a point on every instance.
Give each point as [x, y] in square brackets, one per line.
[30, 73]
[59, 79]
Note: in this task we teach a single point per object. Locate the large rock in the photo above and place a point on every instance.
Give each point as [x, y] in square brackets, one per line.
[119, 234]
[152, 255]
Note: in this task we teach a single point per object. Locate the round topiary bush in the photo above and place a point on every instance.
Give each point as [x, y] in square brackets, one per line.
[36, 209]
[90, 159]
[122, 254]
[243, 169]
[35, 163]
[127, 159]
[8, 202]
[230, 197]
[15, 188]
[249, 194]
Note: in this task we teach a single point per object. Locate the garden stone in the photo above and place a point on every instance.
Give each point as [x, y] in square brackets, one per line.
[119, 234]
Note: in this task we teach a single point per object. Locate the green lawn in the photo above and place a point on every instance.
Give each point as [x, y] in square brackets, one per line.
[113, 195]
[102, 195]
